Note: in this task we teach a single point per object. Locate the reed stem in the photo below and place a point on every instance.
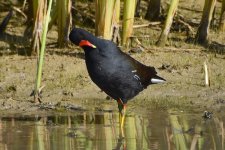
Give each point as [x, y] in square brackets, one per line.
[41, 56]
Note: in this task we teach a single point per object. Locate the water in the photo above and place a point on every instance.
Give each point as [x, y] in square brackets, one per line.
[100, 131]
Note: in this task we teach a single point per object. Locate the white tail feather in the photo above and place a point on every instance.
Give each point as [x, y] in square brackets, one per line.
[155, 81]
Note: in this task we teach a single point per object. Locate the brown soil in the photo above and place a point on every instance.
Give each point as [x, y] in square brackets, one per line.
[67, 82]
[68, 86]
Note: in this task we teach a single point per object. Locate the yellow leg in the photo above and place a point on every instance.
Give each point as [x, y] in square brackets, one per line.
[122, 113]
[123, 116]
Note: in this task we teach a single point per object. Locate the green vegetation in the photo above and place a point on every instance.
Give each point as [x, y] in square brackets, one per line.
[37, 89]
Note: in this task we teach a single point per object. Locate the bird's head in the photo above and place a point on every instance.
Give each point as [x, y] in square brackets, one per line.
[82, 38]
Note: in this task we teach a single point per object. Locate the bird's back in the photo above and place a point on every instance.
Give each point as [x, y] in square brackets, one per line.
[116, 73]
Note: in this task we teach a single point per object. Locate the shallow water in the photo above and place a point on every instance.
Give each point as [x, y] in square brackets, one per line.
[100, 131]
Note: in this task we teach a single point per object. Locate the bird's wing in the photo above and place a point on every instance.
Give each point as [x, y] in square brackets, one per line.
[126, 63]
[141, 72]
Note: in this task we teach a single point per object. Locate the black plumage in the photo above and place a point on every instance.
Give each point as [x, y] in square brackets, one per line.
[116, 73]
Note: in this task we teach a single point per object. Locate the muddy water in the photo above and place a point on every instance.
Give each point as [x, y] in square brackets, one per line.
[100, 131]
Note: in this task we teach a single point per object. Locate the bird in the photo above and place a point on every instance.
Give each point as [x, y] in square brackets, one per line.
[115, 72]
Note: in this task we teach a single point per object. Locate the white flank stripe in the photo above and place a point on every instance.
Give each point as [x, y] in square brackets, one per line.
[153, 80]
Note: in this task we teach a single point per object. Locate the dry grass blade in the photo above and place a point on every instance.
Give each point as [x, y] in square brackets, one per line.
[207, 81]
[20, 12]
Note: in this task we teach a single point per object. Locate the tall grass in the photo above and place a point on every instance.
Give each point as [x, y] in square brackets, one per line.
[203, 30]
[39, 10]
[169, 20]
[41, 56]
[63, 21]
[106, 16]
[128, 20]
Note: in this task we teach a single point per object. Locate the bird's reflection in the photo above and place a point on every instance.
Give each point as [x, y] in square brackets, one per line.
[121, 143]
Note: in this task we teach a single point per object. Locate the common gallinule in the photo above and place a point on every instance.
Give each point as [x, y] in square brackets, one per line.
[113, 71]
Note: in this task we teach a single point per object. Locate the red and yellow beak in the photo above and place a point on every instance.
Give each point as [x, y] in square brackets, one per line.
[86, 43]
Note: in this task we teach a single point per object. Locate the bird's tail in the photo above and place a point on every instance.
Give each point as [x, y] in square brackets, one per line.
[157, 79]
